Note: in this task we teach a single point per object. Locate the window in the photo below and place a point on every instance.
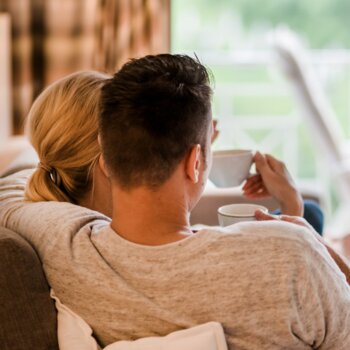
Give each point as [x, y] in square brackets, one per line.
[253, 101]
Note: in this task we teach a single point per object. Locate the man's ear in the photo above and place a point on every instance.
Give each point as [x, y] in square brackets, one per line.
[193, 163]
[102, 165]
[101, 160]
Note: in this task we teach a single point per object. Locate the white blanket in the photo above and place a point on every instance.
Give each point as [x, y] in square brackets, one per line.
[74, 333]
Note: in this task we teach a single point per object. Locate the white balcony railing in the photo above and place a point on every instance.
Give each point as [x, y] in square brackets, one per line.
[281, 133]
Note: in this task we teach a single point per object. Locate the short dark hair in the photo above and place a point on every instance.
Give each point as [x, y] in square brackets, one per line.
[152, 111]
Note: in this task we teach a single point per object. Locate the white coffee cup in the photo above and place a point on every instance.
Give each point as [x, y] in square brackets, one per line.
[233, 213]
[230, 168]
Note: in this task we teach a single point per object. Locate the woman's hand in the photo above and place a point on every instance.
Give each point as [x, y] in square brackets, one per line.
[297, 220]
[342, 263]
[273, 179]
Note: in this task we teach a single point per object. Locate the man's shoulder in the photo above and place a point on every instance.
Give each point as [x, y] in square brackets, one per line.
[260, 230]
[277, 237]
[266, 249]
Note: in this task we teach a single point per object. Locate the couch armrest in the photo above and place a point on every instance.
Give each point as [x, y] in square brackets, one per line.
[28, 317]
[18, 155]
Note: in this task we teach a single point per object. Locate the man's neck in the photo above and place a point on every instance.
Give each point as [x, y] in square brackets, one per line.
[97, 196]
[150, 217]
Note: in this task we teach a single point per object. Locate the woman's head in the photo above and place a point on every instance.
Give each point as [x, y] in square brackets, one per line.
[62, 126]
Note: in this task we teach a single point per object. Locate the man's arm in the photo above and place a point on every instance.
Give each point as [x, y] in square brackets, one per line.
[325, 304]
[341, 261]
[41, 223]
[319, 296]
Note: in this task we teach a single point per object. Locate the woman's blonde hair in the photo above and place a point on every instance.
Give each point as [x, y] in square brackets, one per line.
[62, 126]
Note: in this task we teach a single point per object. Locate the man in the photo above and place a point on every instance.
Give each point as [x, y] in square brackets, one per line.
[272, 285]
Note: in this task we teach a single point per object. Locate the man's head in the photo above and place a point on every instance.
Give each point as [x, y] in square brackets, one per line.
[153, 112]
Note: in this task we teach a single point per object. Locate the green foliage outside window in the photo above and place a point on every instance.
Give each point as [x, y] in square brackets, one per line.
[324, 23]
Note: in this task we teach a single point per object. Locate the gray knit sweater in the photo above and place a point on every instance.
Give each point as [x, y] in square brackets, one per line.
[270, 284]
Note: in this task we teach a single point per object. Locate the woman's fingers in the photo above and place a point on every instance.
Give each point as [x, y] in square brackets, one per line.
[258, 195]
[251, 181]
[263, 216]
[253, 178]
[255, 188]
[278, 183]
[261, 164]
[253, 185]
[297, 220]
[274, 163]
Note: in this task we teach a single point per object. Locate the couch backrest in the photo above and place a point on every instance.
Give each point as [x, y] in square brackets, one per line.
[28, 317]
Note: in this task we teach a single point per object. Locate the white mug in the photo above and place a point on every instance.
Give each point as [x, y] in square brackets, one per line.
[230, 168]
[233, 213]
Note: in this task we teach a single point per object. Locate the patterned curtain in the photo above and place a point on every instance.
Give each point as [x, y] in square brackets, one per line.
[130, 28]
[22, 44]
[52, 38]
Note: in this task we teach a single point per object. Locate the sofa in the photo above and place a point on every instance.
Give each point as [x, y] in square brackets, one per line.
[27, 313]
[28, 318]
